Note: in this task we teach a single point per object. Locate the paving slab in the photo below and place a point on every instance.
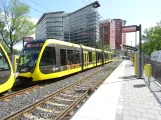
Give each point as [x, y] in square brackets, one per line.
[140, 100]
[122, 97]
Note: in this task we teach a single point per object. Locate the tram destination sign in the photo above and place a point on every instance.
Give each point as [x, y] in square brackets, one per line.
[28, 39]
[132, 28]
[35, 45]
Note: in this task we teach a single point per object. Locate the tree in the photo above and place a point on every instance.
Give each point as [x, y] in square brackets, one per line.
[126, 53]
[153, 36]
[14, 23]
[99, 45]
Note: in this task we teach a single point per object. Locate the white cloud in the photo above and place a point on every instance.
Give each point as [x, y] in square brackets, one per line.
[34, 20]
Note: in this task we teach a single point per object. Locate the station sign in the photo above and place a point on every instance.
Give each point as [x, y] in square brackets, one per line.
[126, 29]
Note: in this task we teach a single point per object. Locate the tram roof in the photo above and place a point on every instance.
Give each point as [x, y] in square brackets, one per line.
[86, 47]
[64, 43]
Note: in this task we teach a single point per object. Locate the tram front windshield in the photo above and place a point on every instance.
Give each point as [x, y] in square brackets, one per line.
[29, 56]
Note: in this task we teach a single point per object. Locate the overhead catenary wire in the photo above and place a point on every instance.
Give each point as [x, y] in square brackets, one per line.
[40, 5]
[84, 2]
[32, 8]
[36, 10]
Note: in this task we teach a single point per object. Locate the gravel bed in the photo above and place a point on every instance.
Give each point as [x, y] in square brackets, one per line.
[21, 101]
[42, 114]
[53, 107]
[67, 97]
[62, 101]
[22, 118]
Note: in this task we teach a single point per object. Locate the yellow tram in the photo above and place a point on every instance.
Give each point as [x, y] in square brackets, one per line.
[6, 72]
[50, 58]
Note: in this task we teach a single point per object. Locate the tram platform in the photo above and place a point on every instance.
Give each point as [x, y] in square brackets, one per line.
[121, 97]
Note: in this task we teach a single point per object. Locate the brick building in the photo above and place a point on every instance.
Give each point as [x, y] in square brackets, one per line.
[104, 26]
[113, 35]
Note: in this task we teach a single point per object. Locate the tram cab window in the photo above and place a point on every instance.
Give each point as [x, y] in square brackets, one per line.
[63, 56]
[3, 62]
[90, 56]
[48, 57]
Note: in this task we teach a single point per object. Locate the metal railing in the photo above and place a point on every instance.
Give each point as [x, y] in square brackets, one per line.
[155, 68]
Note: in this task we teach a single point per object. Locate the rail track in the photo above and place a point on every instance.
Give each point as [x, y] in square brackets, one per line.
[13, 94]
[59, 105]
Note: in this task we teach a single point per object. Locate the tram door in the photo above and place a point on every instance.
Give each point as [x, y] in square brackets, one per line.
[86, 58]
[94, 57]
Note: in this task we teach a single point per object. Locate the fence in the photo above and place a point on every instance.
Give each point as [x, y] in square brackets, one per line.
[156, 68]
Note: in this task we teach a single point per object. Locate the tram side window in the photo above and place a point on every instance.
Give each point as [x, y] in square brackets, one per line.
[90, 56]
[77, 57]
[48, 57]
[63, 56]
[106, 55]
[70, 55]
[99, 57]
[3, 62]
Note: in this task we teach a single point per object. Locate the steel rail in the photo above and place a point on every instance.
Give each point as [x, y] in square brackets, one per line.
[30, 107]
[18, 92]
[85, 94]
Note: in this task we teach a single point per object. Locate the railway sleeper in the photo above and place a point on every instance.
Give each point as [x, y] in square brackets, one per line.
[68, 95]
[56, 104]
[68, 100]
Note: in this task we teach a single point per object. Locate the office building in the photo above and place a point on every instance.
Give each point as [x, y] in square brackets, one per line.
[80, 27]
[50, 25]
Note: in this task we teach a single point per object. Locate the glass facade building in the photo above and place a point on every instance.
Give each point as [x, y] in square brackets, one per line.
[80, 27]
[50, 25]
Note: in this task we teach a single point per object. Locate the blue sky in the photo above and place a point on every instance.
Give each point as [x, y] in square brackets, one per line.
[135, 12]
